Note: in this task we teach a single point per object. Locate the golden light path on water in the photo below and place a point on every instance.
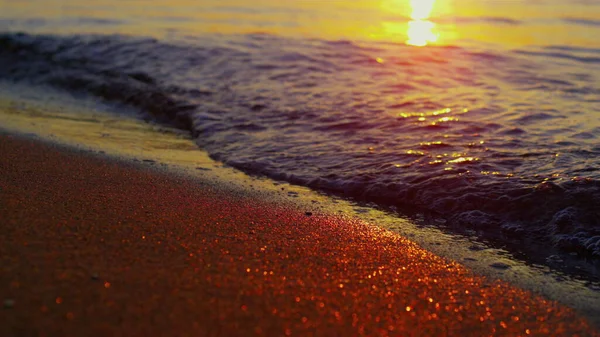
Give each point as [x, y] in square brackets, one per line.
[361, 20]
[420, 29]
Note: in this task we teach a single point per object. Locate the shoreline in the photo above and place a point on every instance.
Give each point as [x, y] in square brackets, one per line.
[97, 128]
[97, 244]
[85, 122]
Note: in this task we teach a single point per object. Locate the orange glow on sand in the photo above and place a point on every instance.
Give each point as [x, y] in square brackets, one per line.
[420, 29]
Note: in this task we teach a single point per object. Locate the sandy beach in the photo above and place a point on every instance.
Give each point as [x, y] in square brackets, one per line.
[95, 246]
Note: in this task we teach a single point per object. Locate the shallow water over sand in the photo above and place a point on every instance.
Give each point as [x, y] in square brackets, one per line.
[492, 127]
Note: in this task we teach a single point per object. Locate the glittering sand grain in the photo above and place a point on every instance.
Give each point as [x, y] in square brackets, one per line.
[92, 246]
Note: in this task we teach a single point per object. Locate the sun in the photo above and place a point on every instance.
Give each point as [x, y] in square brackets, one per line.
[420, 29]
[421, 9]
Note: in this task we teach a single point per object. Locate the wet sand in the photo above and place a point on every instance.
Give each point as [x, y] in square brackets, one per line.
[95, 246]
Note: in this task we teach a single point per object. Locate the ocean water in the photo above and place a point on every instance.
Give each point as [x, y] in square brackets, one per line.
[482, 114]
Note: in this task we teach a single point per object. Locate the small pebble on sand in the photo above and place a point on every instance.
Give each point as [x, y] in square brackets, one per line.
[500, 265]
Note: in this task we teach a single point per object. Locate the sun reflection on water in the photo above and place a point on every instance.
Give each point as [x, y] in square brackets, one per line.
[420, 28]
[438, 152]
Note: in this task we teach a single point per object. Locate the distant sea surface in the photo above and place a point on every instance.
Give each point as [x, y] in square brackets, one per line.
[484, 114]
